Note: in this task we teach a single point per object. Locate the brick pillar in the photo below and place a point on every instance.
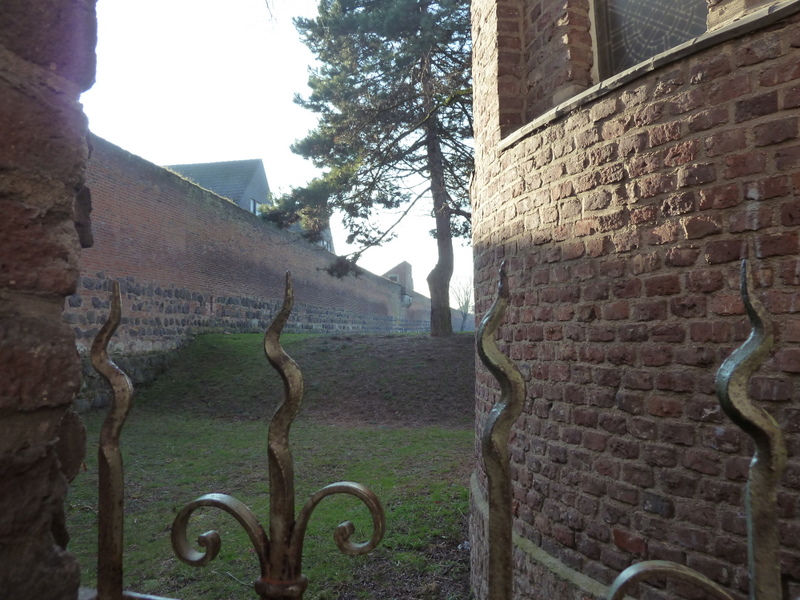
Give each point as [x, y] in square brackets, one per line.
[46, 61]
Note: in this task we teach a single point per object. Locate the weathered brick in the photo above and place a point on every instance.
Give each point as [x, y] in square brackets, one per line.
[594, 441]
[637, 380]
[709, 118]
[668, 332]
[781, 244]
[692, 538]
[696, 174]
[775, 132]
[655, 356]
[649, 311]
[681, 257]
[677, 433]
[700, 227]
[623, 448]
[655, 185]
[751, 220]
[645, 429]
[790, 214]
[702, 461]
[726, 304]
[720, 491]
[681, 153]
[787, 360]
[709, 68]
[678, 204]
[787, 158]
[757, 51]
[630, 403]
[688, 307]
[741, 165]
[710, 332]
[756, 106]
[660, 455]
[724, 196]
[697, 356]
[645, 263]
[663, 285]
[623, 493]
[678, 483]
[725, 251]
[629, 542]
[729, 88]
[661, 134]
[657, 504]
[779, 73]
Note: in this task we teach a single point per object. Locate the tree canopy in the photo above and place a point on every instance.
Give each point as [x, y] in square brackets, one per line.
[394, 97]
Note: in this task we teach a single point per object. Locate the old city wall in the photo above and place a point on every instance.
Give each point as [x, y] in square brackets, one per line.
[623, 217]
[189, 261]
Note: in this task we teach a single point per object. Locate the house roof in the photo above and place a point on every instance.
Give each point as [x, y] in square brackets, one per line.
[231, 179]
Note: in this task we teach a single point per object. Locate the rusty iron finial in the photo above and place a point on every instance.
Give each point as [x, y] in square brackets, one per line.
[769, 458]
[494, 443]
[766, 468]
[111, 501]
[280, 554]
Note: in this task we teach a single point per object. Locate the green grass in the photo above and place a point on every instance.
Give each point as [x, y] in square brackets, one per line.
[203, 428]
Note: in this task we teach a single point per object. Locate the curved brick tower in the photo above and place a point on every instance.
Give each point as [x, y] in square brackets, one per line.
[623, 201]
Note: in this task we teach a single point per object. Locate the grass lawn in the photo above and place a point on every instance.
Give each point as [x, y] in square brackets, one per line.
[202, 427]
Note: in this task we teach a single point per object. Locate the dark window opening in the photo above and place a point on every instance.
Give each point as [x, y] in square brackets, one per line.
[631, 31]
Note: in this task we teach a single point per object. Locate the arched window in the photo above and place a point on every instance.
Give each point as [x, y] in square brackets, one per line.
[631, 31]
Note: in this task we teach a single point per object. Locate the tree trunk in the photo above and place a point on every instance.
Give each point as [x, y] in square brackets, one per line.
[439, 278]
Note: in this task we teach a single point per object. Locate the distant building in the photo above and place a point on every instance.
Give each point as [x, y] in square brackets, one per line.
[402, 274]
[242, 181]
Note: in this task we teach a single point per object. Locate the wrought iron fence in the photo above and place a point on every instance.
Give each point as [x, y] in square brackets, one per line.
[280, 550]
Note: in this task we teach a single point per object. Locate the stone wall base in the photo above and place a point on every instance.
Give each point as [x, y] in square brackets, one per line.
[141, 368]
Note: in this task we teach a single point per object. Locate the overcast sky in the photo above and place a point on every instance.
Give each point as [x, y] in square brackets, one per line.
[185, 81]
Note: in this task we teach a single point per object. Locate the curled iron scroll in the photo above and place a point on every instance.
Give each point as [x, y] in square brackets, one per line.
[662, 568]
[344, 531]
[210, 541]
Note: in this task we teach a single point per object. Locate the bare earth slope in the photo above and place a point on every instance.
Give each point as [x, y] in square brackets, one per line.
[393, 380]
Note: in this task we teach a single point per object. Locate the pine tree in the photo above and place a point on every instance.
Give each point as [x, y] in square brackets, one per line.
[394, 97]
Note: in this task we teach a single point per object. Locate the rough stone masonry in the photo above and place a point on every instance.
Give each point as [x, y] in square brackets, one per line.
[46, 60]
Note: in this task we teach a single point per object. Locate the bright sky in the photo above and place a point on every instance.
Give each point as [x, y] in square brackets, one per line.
[185, 81]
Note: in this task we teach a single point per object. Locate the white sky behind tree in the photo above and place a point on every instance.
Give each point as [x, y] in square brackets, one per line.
[189, 81]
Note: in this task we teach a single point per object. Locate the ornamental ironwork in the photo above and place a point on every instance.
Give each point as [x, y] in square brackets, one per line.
[280, 549]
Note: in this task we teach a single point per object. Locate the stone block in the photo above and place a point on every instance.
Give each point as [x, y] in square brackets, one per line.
[58, 35]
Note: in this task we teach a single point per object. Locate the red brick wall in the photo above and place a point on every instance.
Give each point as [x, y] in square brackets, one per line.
[623, 223]
[558, 56]
[190, 261]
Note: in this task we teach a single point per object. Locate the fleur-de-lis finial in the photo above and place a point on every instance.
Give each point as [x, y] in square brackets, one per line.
[280, 553]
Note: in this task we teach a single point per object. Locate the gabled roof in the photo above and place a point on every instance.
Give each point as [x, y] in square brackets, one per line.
[233, 179]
